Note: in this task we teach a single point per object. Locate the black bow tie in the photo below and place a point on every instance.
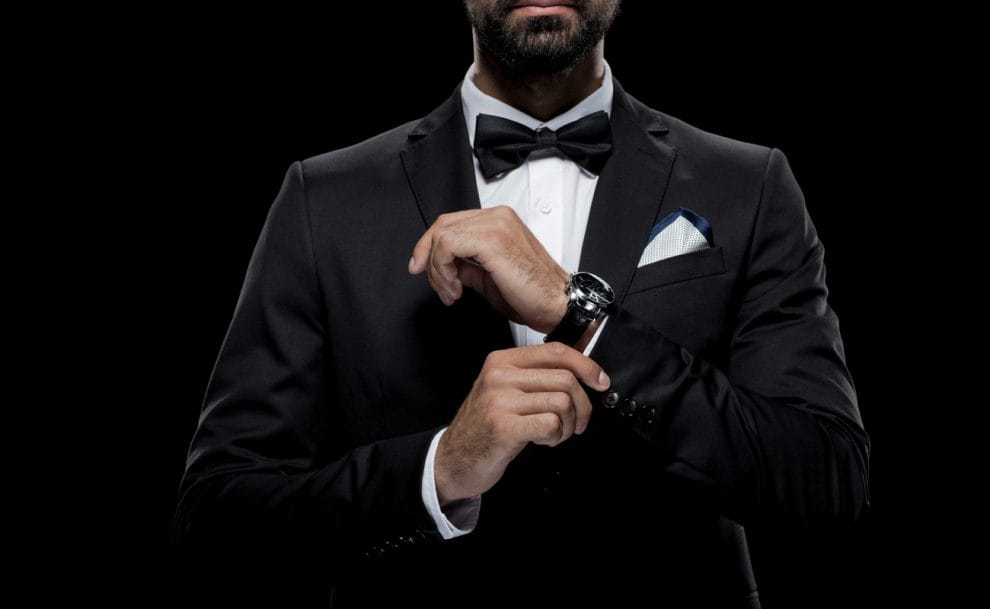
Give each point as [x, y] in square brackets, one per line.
[501, 144]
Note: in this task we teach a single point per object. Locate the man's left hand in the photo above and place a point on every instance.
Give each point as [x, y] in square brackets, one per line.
[491, 251]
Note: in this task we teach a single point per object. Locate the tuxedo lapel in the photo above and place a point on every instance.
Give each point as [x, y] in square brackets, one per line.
[439, 165]
[629, 194]
[439, 162]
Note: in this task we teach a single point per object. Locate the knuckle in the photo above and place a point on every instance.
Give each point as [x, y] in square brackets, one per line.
[500, 237]
[494, 358]
[504, 211]
[556, 348]
[495, 374]
[563, 377]
[503, 220]
[441, 238]
[559, 402]
[503, 217]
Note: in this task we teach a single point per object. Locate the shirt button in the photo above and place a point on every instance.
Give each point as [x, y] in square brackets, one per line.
[546, 208]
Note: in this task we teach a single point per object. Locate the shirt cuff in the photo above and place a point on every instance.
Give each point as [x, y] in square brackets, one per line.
[594, 338]
[459, 517]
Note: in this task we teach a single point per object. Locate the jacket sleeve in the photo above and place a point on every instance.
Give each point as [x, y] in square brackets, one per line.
[259, 473]
[776, 432]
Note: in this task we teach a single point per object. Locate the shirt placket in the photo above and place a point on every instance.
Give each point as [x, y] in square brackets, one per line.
[545, 217]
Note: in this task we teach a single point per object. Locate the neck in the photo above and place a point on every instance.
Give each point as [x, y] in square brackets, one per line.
[541, 96]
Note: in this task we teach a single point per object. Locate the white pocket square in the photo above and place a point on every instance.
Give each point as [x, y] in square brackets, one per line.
[679, 232]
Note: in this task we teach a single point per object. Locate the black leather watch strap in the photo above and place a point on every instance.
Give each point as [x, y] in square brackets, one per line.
[571, 327]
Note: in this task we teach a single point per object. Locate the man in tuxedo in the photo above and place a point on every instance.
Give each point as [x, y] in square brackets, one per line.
[385, 421]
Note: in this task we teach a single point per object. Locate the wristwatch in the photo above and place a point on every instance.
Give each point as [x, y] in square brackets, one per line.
[589, 297]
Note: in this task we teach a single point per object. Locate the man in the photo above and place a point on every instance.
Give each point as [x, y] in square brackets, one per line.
[380, 427]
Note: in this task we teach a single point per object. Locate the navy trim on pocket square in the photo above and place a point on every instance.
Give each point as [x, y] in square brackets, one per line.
[682, 212]
[679, 232]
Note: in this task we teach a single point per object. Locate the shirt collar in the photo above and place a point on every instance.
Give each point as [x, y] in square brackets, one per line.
[475, 102]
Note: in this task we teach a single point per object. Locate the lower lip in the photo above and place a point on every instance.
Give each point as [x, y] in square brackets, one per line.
[539, 11]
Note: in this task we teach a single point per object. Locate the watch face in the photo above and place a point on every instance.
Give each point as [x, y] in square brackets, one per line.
[594, 288]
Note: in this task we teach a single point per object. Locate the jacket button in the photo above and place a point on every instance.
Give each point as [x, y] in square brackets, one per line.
[627, 408]
[610, 399]
[647, 414]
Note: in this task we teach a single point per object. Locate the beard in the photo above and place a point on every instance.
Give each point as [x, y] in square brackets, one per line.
[546, 44]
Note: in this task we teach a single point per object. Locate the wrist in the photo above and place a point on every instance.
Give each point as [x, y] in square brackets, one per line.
[588, 299]
[558, 301]
[446, 493]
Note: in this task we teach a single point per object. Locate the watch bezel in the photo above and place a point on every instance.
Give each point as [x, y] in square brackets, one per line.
[592, 298]
[588, 296]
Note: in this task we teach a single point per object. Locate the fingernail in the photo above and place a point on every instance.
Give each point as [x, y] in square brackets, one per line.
[603, 379]
[580, 429]
[412, 261]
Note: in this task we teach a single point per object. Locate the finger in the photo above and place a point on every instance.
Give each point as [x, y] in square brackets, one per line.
[471, 274]
[450, 246]
[420, 254]
[441, 291]
[545, 428]
[537, 381]
[558, 355]
[554, 402]
[447, 286]
[442, 257]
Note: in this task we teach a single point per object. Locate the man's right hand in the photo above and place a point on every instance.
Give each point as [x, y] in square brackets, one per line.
[522, 395]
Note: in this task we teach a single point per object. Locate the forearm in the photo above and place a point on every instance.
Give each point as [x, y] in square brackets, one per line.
[365, 498]
[784, 444]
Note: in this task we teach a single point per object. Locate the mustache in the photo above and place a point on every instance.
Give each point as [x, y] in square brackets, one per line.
[504, 7]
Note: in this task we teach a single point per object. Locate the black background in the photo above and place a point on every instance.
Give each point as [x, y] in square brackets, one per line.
[218, 107]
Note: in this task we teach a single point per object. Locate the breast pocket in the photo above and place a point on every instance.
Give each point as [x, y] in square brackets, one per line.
[693, 265]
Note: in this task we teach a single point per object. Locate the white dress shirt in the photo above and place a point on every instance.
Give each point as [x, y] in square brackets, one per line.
[552, 196]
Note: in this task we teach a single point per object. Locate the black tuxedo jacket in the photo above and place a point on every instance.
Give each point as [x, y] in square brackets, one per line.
[303, 478]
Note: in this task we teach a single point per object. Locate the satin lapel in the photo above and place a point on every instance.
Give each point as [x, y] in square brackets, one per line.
[439, 162]
[629, 194]
[439, 165]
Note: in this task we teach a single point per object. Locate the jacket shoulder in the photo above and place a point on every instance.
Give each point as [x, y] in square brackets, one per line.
[371, 157]
[718, 150]
[705, 147]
